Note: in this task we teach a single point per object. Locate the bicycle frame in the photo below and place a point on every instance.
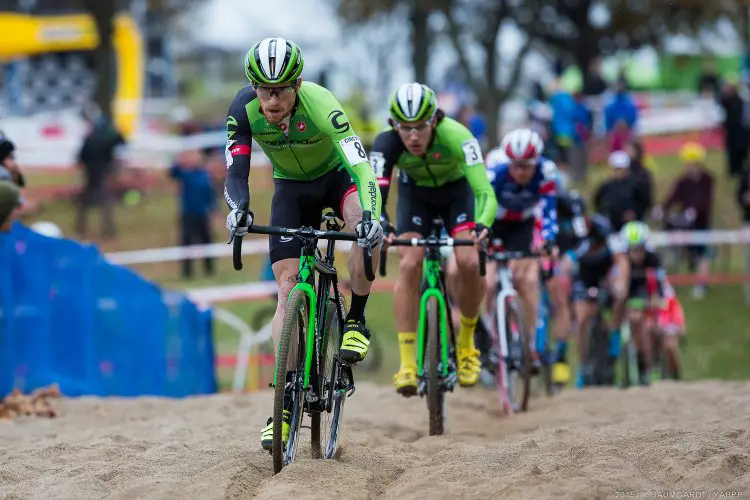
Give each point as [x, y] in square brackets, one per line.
[306, 280]
[505, 289]
[434, 285]
[305, 276]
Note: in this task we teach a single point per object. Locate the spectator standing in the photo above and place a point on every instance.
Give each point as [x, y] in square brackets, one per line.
[10, 199]
[617, 198]
[563, 123]
[593, 82]
[9, 170]
[583, 123]
[620, 117]
[197, 203]
[709, 83]
[743, 198]
[736, 132]
[475, 122]
[11, 183]
[642, 178]
[692, 195]
[97, 158]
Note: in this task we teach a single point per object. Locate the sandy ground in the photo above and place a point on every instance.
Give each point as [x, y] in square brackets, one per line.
[667, 441]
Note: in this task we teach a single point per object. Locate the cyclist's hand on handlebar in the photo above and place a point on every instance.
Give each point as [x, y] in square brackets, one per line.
[370, 233]
[233, 222]
[389, 232]
[480, 233]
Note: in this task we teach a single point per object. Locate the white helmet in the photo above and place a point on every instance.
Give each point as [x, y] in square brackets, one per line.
[522, 144]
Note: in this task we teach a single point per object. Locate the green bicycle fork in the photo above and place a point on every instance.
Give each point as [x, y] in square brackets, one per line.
[432, 289]
[305, 276]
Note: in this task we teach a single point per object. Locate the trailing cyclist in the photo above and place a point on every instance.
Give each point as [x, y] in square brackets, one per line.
[441, 173]
[318, 161]
[601, 265]
[644, 301]
[571, 213]
[525, 187]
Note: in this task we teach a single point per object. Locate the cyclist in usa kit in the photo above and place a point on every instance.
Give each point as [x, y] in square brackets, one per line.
[318, 161]
[441, 173]
[525, 185]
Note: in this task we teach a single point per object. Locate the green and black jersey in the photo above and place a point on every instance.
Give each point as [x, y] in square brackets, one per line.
[316, 139]
[454, 154]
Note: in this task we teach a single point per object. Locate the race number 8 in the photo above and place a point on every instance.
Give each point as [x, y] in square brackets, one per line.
[353, 150]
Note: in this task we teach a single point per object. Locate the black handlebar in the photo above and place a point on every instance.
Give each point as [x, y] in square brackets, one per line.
[369, 271]
[303, 232]
[237, 240]
[433, 242]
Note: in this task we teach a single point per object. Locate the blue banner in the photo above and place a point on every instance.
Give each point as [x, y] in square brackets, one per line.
[68, 316]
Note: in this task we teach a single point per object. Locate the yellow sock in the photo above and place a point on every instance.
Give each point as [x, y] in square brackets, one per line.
[407, 346]
[466, 334]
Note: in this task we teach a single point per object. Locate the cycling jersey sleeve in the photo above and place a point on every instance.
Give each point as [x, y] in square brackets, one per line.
[548, 200]
[383, 157]
[332, 120]
[485, 202]
[239, 145]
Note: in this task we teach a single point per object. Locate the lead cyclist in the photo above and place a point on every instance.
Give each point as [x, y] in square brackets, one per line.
[318, 161]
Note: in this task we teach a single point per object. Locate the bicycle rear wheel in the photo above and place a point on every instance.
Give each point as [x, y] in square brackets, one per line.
[326, 425]
[435, 395]
[519, 357]
[292, 344]
[598, 354]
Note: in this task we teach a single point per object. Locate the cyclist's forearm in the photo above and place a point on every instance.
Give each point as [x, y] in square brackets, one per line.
[236, 184]
[485, 201]
[367, 187]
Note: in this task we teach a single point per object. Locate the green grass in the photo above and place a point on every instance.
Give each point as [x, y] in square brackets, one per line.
[717, 337]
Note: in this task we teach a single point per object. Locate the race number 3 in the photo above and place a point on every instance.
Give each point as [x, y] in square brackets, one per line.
[353, 150]
[472, 152]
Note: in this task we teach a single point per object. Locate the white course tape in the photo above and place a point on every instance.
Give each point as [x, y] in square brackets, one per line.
[259, 246]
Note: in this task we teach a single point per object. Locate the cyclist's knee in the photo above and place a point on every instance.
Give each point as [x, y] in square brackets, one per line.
[410, 263]
[467, 260]
[286, 278]
[528, 283]
[635, 316]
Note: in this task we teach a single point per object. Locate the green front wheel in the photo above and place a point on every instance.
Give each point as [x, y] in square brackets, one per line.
[435, 394]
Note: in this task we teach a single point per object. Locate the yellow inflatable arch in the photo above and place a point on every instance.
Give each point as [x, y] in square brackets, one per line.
[27, 35]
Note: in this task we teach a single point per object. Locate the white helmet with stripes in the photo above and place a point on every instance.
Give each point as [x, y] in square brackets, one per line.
[272, 61]
[522, 145]
[413, 102]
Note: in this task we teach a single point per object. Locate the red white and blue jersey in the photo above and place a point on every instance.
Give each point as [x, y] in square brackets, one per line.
[518, 203]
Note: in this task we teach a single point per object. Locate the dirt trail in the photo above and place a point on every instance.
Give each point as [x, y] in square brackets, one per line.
[591, 444]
